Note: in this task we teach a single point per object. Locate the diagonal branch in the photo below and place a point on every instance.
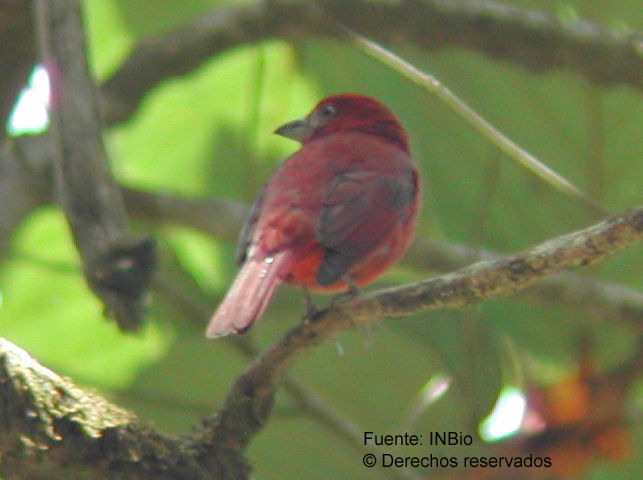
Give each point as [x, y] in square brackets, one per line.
[249, 404]
[117, 267]
[533, 39]
[583, 294]
[510, 148]
[177, 287]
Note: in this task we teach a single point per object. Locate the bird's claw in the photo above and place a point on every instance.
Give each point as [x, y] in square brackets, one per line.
[352, 292]
[311, 310]
[353, 289]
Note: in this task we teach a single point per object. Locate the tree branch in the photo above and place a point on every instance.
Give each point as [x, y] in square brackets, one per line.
[49, 428]
[176, 287]
[47, 424]
[533, 39]
[17, 54]
[583, 294]
[248, 405]
[117, 267]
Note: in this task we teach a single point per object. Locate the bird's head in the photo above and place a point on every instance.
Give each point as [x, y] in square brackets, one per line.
[347, 113]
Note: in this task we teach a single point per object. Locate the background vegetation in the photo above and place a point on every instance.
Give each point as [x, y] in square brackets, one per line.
[207, 133]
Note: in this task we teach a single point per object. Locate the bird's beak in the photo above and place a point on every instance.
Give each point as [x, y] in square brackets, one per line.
[297, 129]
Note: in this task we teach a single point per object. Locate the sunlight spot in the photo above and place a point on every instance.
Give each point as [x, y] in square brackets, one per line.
[30, 113]
[506, 417]
[434, 389]
[269, 260]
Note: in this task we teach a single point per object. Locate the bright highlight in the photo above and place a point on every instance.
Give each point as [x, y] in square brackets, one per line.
[31, 112]
[506, 417]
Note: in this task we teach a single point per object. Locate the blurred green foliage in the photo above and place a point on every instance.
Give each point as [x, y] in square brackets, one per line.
[209, 133]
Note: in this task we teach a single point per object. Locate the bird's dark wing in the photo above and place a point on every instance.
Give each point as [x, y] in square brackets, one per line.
[248, 229]
[360, 212]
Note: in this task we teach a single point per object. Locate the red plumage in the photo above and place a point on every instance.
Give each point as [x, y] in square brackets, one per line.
[344, 205]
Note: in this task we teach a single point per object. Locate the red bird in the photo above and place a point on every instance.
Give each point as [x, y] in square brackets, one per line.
[337, 213]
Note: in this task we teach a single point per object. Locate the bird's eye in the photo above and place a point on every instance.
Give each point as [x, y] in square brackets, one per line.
[328, 111]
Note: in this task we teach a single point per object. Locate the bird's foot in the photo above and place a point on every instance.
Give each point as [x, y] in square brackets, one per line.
[311, 310]
[353, 289]
[352, 292]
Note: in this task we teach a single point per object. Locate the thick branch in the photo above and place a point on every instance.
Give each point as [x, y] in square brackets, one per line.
[533, 39]
[117, 268]
[49, 428]
[249, 403]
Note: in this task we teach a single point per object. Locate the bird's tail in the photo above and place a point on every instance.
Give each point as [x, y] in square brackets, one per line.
[249, 295]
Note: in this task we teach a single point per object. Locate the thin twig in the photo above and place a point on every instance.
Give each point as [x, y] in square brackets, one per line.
[514, 151]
